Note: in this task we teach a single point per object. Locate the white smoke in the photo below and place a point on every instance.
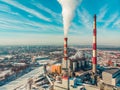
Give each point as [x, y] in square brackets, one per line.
[68, 8]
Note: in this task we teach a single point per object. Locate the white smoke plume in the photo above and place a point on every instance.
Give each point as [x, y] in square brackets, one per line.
[68, 9]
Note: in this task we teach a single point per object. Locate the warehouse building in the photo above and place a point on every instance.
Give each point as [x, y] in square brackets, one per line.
[111, 76]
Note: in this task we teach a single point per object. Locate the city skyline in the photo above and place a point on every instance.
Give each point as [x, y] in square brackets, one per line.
[40, 22]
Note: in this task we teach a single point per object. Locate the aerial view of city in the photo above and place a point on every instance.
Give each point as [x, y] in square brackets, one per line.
[59, 45]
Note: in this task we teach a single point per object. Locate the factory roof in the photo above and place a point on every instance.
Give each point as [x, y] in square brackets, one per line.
[112, 70]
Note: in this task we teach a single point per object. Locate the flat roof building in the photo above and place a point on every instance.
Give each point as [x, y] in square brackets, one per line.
[111, 76]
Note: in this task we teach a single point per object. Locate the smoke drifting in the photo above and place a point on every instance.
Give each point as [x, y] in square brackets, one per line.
[68, 8]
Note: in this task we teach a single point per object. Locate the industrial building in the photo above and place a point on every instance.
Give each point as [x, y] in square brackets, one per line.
[78, 61]
[111, 76]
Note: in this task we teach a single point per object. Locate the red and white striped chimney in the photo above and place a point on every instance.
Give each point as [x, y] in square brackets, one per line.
[94, 58]
[65, 52]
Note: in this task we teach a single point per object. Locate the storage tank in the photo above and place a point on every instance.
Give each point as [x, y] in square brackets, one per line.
[74, 66]
[79, 64]
[82, 64]
[87, 63]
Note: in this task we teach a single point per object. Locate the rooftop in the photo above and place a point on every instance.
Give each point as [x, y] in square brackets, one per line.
[112, 70]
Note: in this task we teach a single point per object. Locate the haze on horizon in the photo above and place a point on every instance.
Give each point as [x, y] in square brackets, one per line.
[35, 22]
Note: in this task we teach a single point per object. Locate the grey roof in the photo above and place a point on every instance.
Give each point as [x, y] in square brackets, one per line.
[112, 70]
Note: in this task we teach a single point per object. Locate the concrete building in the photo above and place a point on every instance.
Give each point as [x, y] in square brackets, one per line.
[111, 76]
[78, 61]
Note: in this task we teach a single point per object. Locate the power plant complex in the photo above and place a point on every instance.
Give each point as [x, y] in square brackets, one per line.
[73, 65]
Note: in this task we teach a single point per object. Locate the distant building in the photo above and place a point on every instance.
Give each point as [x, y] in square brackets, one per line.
[111, 76]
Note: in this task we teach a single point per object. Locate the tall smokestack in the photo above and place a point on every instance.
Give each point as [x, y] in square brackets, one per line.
[64, 63]
[65, 48]
[68, 11]
[94, 58]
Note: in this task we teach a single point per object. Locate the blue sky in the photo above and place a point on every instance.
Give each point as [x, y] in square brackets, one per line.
[40, 22]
